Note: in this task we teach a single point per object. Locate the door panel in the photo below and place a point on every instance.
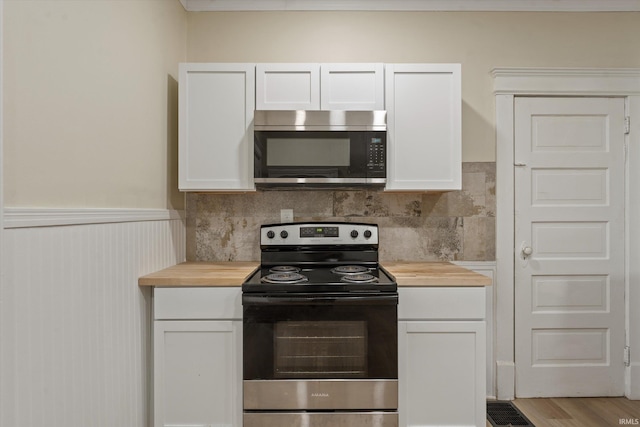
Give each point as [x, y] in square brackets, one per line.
[569, 187]
[569, 254]
[570, 293]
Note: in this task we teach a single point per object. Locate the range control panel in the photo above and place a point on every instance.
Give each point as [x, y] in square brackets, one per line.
[319, 234]
[320, 231]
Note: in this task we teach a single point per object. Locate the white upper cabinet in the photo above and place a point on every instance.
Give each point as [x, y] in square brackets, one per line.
[357, 86]
[216, 105]
[424, 116]
[287, 87]
[352, 87]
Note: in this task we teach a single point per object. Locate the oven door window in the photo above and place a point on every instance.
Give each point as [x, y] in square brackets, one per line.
[320, 341]
[320, 349]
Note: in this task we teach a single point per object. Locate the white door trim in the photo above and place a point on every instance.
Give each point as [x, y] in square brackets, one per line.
[7, 399]
[512, 82]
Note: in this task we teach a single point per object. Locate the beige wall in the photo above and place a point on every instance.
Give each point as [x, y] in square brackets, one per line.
[480, 41]
[90, 103]
[90, 87]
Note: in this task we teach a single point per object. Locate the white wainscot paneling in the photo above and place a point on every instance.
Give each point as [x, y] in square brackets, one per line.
[76, 332]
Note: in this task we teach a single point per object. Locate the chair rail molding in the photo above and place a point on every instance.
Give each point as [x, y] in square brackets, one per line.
[48, 217]
[416, 5]
[510, 83]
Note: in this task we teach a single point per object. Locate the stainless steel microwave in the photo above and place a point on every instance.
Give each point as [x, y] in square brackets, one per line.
[325, 149]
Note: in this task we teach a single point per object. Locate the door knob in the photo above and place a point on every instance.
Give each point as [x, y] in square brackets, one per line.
[526, 251]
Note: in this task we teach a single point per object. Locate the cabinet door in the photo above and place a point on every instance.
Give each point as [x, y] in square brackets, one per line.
[352, 86]
[197, 373]
[288, 87]
[216, 104]
[424, 113]
[441, 373]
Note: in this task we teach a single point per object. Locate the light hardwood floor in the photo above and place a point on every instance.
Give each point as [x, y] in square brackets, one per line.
[580, 412]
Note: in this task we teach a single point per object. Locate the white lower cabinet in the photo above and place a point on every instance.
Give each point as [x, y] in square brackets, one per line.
[442, 353]
[197, 363]
[198, 357]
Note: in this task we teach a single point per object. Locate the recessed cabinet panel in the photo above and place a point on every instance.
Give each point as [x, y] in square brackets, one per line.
[442, 373]
[288, 87]
[352, 86]
[424, 112]
[197, 378]
[215, 115]
[355, 86]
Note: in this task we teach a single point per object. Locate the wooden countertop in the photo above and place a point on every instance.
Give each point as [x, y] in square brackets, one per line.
[200, 274]
[410, 274]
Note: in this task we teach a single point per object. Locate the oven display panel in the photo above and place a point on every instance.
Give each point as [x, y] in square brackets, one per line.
[319, 232]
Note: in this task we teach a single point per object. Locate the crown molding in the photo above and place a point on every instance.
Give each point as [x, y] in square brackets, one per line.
[414, 5]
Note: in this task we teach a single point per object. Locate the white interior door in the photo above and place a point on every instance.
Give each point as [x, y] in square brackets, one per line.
[570, 240]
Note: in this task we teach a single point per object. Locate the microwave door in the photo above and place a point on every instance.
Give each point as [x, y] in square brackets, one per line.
[337, 157]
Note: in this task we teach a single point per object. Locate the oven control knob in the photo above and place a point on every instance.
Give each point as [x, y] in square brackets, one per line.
[354, 233]
[271, 234]
[367, 234]
[284, 234]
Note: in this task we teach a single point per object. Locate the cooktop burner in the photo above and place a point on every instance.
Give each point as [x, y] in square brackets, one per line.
[284, 278]
[350, 269]
[284, 269]
[359, 278]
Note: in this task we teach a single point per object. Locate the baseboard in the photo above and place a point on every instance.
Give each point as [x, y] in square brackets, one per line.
[632, 391]
[45, 217]
[505, 380]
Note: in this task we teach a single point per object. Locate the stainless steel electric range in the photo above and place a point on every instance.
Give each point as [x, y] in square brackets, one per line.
[320, 340]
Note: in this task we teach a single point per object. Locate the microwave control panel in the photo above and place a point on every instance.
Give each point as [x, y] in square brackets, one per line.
[376, 155]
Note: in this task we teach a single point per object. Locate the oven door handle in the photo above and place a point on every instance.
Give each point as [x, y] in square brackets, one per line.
[321, 300]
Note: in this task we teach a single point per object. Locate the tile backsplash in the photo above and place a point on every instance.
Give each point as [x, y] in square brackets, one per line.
[455, 225]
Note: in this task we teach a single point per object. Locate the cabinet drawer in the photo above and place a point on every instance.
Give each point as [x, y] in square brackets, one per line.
[439, 303]
[197, 303]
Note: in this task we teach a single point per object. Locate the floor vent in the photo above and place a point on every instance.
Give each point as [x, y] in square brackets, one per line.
[502, 413]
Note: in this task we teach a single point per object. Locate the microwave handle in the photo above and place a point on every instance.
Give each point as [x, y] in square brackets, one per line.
[376, 299]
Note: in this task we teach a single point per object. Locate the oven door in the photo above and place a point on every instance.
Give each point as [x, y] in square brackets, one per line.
[320, 352]
[319, 157]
